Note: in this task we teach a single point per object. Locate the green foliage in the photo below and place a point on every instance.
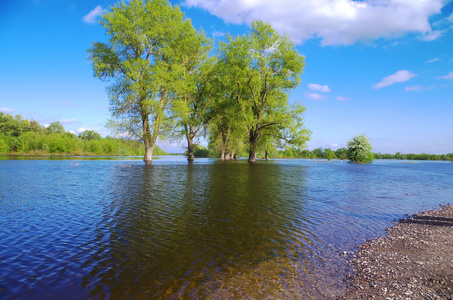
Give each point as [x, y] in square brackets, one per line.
[55, 127]
[359, 149]
[412, 156]
[341, 153]
[200, 151]
[328, 154]
[89, 135]
[57, 141]
[261, 68]
[150, 47]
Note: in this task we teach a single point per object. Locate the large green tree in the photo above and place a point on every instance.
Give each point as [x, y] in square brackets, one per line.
[149, 44]
[359, 149]
[196, 94]
[264, 67]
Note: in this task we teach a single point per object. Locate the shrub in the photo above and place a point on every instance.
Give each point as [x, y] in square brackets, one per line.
[359, 149]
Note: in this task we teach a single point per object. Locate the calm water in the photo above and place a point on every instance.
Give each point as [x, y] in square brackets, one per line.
[74, 229]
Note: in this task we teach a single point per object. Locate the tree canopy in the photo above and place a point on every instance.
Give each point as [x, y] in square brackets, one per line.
[150, 46]
[164, 80]
[359, 149]
[262, 67]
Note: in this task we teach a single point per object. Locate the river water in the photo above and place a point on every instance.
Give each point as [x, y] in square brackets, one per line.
[80, 228]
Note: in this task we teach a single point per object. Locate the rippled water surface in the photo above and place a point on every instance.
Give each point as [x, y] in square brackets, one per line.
[120, 229]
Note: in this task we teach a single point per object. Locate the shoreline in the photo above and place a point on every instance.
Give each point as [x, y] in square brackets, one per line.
[413, 261]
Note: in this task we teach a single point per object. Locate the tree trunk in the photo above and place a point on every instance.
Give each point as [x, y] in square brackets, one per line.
[148, 154]
[222, 154]
[253, 136]
[227, 155]
[252, 156]
[147, 139]
[266, 155]
[190, 156]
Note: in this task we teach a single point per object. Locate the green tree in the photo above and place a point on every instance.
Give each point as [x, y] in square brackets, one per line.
[341, 153]
[55, 127]
[359, 149]
[263, 67]
[328, 154]
[89, 135]
[145, 56]
[196, 92]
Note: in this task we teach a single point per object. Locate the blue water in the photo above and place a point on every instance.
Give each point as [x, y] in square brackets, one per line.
[80, 228]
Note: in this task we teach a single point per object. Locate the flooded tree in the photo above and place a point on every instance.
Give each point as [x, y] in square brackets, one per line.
[150, 43]
[263, 67]
[359, 149]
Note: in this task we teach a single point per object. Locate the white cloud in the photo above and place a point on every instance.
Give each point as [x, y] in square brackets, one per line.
[82, 129]
[318, 87]
[400, 76]
[315, 96]
[449, 76]
[432, 35]
[433, 60]
[413, 88]
[6, 110]
[336, 22]
[218, 33]
[343, 98]
[92, 15]
[450, 18]
[68, 121]
[334, 145]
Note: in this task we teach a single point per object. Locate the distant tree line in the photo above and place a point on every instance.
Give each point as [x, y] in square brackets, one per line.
[22, 136]
[319, 153]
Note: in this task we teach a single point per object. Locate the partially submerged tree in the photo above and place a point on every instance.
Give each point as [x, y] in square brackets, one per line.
[149, 45]
[196, 95]
[359, 149]
[263, 67]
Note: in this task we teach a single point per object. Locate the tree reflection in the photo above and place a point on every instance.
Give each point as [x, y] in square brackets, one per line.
[191, 230]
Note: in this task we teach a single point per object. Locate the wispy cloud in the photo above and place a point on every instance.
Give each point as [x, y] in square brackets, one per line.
[6, 110]
[343, 98]
[68, 121]
[432, 35]
[400, 76]
[65, 103]
[413, 88]
[417, 88]
[318, 87]
[449, 76]
[315, 96]
[433, 60]
[92, 15]
[218, 33]
[335, 22]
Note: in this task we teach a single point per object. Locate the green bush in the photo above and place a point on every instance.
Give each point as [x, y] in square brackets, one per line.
[359, 149]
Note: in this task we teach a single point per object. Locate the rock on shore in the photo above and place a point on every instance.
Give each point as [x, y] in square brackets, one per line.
[414, 260]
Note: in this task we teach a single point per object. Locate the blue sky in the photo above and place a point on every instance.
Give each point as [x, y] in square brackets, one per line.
[381, 68]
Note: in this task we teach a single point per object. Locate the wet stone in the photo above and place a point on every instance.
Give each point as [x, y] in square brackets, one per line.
[414, 260]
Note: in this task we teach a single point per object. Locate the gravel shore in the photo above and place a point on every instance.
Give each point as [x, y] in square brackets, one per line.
[413, 261]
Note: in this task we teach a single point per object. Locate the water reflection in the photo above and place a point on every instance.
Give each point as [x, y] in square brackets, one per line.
[203, 230]
[210, 229]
